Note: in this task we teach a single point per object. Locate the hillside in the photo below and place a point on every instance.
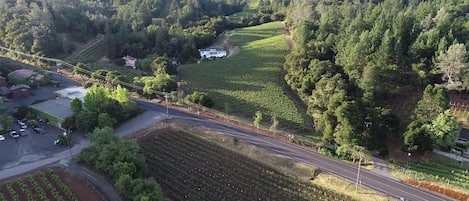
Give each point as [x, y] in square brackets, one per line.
[250, 80]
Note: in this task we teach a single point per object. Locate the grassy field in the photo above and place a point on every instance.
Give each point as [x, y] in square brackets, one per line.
[50, 184]
[191, 168]
[249, 81]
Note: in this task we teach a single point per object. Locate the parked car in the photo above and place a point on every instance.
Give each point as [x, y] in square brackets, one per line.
[13, 134]
[2, 138]
[23, 125]
[38, 130]
[23, 132]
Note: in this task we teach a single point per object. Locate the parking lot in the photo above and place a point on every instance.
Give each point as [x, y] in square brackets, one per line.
[32, 146]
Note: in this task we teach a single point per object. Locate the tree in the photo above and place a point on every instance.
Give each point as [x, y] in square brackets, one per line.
[453, 65]
[6, 122]
[76, 105]
[200, 98]
[160, 82]
[87, 120]
[95, 96]
[258, 119]
[162, 65]
[444, 129]
[275, 123]
[104, 120]
[416, 138]
[121, 95]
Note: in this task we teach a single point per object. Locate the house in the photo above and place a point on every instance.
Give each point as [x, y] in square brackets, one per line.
[130, 61]
[3, 82]
[212, 53]
[20, 91]
[24, 76]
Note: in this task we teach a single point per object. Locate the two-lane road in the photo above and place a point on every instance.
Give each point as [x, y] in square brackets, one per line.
[369, 179]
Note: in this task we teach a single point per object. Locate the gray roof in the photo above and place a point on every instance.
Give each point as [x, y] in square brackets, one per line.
[20, 86]
[21, 73]
[59, 108]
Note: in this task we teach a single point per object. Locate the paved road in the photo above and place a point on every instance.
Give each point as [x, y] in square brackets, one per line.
[347, 171]
[369, 179]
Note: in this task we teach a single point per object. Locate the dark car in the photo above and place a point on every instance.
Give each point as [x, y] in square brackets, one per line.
[38, 130]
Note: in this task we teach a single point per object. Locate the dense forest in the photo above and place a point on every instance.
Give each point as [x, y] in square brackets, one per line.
[140, 28]
[349, 56]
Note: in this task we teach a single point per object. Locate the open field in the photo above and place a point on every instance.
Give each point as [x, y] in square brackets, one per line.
[249, 81]
[190, 168]
[50, 184]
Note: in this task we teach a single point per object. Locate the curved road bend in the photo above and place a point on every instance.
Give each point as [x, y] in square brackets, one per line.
[369, 179]
[380, 183]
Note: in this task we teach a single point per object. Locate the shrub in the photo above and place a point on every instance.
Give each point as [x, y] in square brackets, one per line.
[199, 98]
[87, 84]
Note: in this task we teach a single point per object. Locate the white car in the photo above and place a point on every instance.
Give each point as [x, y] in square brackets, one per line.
[2, 138]
[23, 125]
[13, 134]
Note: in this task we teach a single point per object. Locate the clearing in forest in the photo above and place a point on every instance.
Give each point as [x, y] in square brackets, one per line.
[250, 80]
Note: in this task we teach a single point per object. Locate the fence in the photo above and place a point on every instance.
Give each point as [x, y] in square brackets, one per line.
[15, 55]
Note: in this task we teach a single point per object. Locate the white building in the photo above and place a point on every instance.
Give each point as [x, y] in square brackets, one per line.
[72, 93]
[212, 53]
[130, 61]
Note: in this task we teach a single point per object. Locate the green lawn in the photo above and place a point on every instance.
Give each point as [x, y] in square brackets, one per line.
[250, 80]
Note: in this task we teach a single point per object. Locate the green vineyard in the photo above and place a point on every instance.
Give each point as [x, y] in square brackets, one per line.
[190, 168]
[44, 185]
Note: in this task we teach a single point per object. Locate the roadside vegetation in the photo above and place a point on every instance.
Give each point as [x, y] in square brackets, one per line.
[190, 168]
[123, 162]
[250, 80]
[102, 108]
[436, 173]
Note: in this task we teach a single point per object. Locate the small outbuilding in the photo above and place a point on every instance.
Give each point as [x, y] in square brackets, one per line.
[130, 61]
[209, 53]
[20, 91]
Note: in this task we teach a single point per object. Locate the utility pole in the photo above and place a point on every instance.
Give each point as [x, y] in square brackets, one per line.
[69, 143]
[407, 165]
[166, 101]
[358, 173]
